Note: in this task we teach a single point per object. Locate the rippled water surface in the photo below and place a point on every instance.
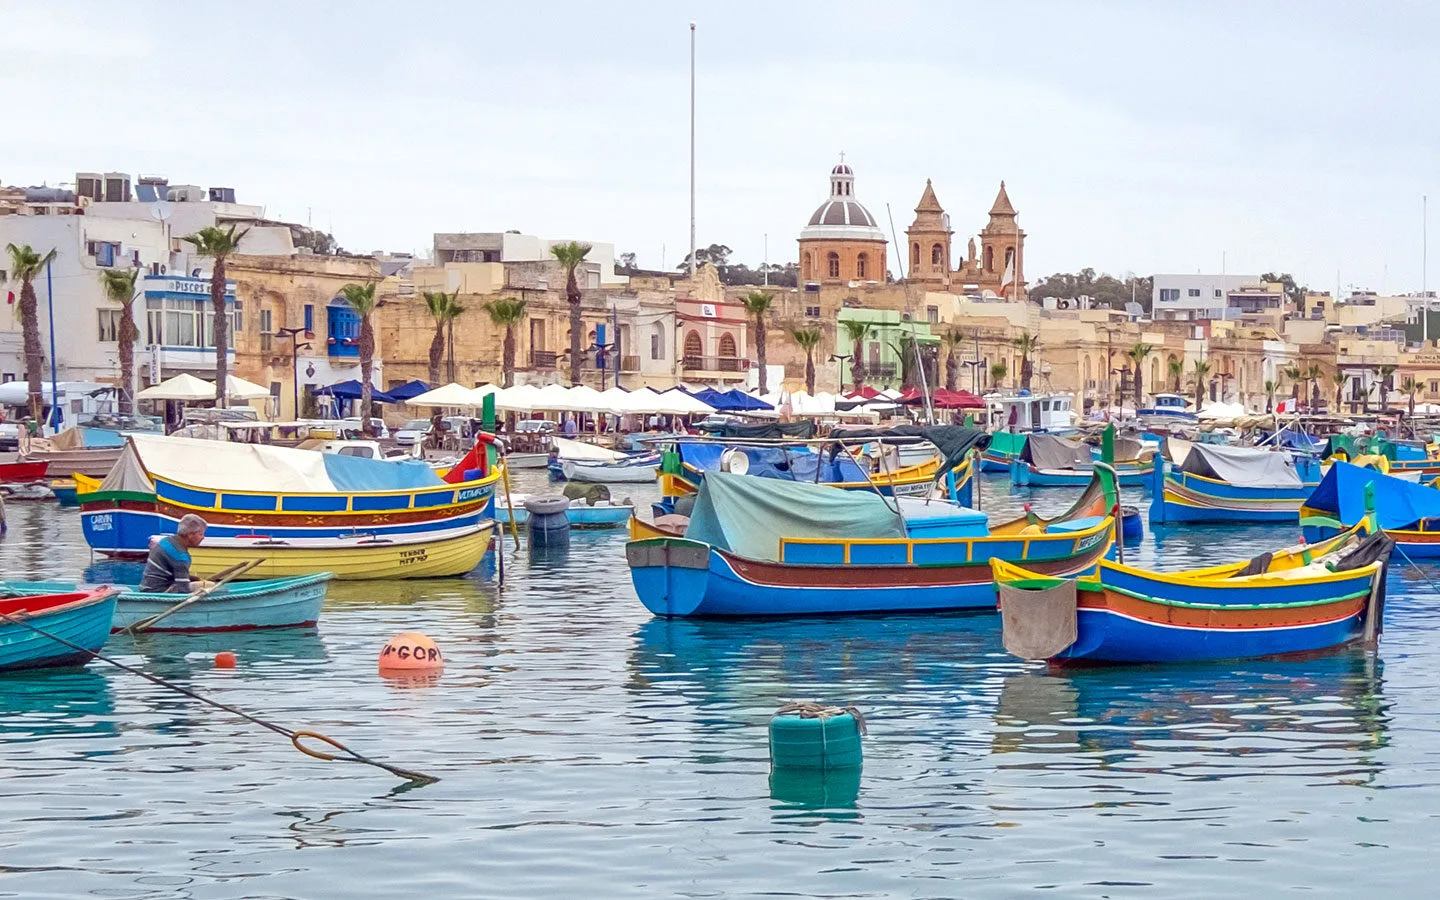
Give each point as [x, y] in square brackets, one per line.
[587, 749]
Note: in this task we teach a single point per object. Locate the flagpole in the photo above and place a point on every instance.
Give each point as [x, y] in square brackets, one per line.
[692, 149]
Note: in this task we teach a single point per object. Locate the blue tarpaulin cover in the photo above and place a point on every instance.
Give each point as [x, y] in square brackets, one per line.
[1398, 503]
[789, 464]
[748, 516]
[353, 473]
[350, 390]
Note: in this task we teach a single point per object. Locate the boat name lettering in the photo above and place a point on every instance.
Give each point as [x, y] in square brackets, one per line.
[470, 494]
[1089, 542]
[102, 522]
[431, 654]
[410, 557]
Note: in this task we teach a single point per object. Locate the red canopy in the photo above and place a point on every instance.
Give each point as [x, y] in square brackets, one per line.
[866, 392]
[943, 399]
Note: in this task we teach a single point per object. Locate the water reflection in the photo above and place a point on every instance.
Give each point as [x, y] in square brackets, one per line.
[56, 703]
[1318, 716]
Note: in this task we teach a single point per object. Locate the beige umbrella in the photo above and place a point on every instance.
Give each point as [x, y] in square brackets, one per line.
[452, 394]
[182, 387]
[240, 389]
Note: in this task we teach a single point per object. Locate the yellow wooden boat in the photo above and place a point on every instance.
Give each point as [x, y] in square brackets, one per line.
[359, 557]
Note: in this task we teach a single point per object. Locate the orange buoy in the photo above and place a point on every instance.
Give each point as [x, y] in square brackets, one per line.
[408, 653]
[224, 660]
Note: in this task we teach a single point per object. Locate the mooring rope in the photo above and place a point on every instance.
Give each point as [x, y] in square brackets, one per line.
[809, 709]
[294, 736]
[1432, 584]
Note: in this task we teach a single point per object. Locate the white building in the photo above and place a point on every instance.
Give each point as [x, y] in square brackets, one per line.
[512, 247]
[1194, 297]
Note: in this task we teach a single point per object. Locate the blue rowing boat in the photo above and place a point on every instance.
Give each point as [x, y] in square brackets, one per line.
[1213, 483]
[81, 617]
[239, 606]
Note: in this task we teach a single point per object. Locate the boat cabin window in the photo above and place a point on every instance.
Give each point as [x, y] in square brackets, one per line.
[362, 452]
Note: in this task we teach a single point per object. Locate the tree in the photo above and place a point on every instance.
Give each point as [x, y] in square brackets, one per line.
[1177, 369]
[25, 264]
[1270, 388]
[571, 254]
[119, 287]
[1201, 371]
[1294, 373]
[1104, 290]
[626, 263]
[361, 298]
[808, 339]
[1313, 373]
[997, 375]
[1339, 379]
[507, 313]
[1294, 293]
[1411, 387]
[218, 243]
[757, 304]
[443, 308]
[857, 332]
[1138, 354]
[952, 340]
[1027, 344]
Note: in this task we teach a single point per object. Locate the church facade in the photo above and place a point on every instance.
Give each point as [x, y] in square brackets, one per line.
[996, 267]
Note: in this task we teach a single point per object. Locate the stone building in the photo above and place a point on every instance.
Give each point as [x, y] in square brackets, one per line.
[841, 242]
[997, 267]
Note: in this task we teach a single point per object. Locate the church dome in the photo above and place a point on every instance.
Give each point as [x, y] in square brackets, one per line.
[842, 217]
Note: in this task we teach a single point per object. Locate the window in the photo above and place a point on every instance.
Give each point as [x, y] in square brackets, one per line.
[657, 341]
[1169, 295]
[832, 262]
[694, 348]
[932, 315]
[1435, 387]
[989, 259]
[309, 317]
[110, 325]
[182, 322]
[342, 331]
[1193, 292]
[862, 265]
[7, 377]
[265, 322]
[812, 312]
[237, 318]
[937, 255]
[727, 346]
[914, 255]
[1218, 294]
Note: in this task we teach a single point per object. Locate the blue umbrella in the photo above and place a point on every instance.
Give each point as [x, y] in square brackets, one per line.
[408, 390]
[350, 390]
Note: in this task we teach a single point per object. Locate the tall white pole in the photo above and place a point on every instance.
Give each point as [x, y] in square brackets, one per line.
[692, 149]
[1424, 254]
[765, 263]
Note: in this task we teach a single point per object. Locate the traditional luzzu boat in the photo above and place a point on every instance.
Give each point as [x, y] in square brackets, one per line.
[360, 557]
[278, 493]
[1402, 457]
[277, 603]
[1005, 447]
[1408, 512]
[1295, 600]
[1050, 461]
[757, 547]
[1215, 483]
[81, 617]
[91, 452]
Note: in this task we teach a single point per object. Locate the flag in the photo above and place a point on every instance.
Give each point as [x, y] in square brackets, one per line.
[1288, 405]
[1009, 276]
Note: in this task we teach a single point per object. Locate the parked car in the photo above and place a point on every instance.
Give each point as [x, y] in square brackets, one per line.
[534, 426]
[353, 424]
[412, 432]
[9, 436]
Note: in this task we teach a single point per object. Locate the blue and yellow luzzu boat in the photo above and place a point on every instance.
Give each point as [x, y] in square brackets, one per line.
[1408, 512]
[248, 490]
[1050, 461]
[1214, 483]
[1300, 599]
[756, 548]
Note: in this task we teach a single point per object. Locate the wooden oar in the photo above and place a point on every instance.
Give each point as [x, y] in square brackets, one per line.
[225, 576]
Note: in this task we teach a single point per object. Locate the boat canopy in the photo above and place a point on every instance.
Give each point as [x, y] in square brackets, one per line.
[784, 463]
[953, 441]
[569, 449]
[1399, 504]
[1046, 451]
[801, 430]
[1007, 443]
[1242, 466]
[748, 516]
[220, 465]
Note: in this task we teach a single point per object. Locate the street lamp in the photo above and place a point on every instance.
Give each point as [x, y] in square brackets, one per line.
[295, 349]
[841, 357]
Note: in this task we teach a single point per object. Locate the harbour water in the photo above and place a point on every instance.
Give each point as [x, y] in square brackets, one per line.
[587, 749]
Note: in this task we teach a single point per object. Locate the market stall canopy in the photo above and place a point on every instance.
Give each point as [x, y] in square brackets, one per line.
[676, 402]
[520, 398]
[614, 399]
[1244, 466]
[584, 398]
[351, 390]
[553, 397]
[451, 394]
[408, 390]
[643, 402]
[240, 389]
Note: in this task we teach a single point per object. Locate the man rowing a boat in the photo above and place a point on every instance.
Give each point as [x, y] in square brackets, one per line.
[167, 569]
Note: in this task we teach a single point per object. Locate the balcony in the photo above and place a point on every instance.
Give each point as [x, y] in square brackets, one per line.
[542, 359]
[714, 363]
[629, 363]
[881, 370]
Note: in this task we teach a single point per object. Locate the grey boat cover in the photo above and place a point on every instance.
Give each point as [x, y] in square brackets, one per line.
[1046, 451]
[1243, 466]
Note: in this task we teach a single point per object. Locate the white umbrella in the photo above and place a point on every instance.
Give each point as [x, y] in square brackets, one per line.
[643, 401]
[520, 398]
[182, 387]
[584, 398]
[677, 402]
[613, 400]
[240, 389]
[553, 397]
[452, 394]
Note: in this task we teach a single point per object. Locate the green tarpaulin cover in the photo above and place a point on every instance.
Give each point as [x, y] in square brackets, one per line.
[748, 516]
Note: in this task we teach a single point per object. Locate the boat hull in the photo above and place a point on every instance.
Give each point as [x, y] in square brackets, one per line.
[1023, 474]
[23, 472]
[628, 474]
[94, 463]
[444, 555]
[282, 603]
[1184, 497]
[680, 577]
[82, 618]
[579, 516]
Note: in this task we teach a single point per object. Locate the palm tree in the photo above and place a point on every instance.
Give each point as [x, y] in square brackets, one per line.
[857, 332]
[25, 264]
[1177, 369]
[571, 254]
[1312, 374]
[952, 339]
[1201, 371]
[1339, 379]
[218, 243]
[1294, 373]
[757, 304]
[361, 298]
[443, 308]
[997, 374]
[1387, 382]
[808, 339]
[1411, 387]
[1138, 354]
[1028, 344]
[507, 313]
[1270, 388]
[119, 286]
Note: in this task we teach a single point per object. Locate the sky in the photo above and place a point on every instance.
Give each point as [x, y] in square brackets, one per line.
[1132, 136]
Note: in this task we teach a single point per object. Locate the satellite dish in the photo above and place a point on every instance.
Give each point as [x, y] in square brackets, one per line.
[160, 210]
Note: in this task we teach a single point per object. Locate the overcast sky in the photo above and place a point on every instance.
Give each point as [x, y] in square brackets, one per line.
[1132, 136]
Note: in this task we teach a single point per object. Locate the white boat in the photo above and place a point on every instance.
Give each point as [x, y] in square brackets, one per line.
[611, 473]
[527, 460]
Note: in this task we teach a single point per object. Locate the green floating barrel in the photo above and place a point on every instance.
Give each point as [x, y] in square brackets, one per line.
[811, 736]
